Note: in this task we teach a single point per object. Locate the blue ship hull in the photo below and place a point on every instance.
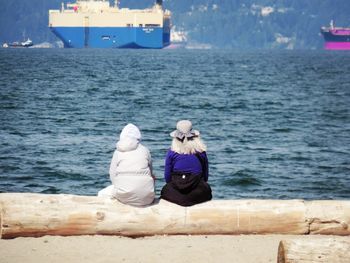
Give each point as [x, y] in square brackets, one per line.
[112, 37]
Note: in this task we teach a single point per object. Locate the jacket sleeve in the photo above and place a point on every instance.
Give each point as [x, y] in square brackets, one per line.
[150, 165]
[206, 166]
[113, 167]
[168, 166]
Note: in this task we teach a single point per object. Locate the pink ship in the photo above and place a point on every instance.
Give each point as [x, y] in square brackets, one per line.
[336, 38]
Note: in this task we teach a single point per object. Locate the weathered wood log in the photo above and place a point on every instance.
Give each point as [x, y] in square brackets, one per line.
[329, 217]
[247, 217]
[24, 214]
[325, 250]
[38, 215]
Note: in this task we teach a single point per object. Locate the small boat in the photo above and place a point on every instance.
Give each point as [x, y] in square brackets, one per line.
[27, 43]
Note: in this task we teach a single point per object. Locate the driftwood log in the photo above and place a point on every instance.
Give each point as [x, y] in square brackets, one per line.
[25, 214]
[317, 250]
[328, 217]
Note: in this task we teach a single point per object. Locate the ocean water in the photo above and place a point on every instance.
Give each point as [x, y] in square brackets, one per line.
[276, 123]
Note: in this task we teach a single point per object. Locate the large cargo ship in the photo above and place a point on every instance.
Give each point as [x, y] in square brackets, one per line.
[336, 38]
[97, 24]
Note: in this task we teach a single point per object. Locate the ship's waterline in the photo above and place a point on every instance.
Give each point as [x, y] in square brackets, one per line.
[337, 45]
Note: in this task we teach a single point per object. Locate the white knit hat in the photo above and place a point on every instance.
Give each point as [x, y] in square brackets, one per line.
[184, 129]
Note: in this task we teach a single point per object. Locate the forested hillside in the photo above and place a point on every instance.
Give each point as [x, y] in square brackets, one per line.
[246, 24]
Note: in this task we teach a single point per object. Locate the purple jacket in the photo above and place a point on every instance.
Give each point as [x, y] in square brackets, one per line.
[187, 163]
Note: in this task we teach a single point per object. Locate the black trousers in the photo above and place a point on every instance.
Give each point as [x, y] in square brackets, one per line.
[201, 193]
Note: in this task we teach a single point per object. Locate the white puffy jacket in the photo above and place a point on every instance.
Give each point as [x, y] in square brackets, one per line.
[131, 169]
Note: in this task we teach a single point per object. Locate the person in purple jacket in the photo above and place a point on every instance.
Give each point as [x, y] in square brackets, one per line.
[186, 168]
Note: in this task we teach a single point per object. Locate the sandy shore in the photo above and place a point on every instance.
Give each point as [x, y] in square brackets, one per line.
[241, 248]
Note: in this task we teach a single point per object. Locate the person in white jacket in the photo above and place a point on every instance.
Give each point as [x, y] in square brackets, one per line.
[131, 170]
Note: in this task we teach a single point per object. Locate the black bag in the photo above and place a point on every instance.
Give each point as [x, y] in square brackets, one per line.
[201, 193]
[184, 182]
[187, 189]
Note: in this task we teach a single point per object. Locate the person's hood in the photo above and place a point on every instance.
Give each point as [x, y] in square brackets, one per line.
[129, 138]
